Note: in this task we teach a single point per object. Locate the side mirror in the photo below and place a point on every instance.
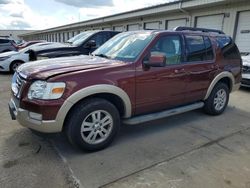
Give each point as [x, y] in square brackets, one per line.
[90, 44]
[156, 60]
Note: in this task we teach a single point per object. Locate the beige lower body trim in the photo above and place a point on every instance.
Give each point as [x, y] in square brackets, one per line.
[22, 116]
[50, 126]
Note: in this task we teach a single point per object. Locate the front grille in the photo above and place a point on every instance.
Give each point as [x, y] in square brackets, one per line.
[246, 69]
[17, 84]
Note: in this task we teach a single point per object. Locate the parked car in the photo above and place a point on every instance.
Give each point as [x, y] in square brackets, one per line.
[9, 61]
[7, 45]
[245, 82]
[84, 43]
[29, 43]
[133, 78]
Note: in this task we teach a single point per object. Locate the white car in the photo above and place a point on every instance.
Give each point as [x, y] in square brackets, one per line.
[245, 82]
[9, 61]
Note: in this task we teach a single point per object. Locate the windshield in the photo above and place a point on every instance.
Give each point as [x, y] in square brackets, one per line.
[76, 37]
[83, 36]
[125, 46]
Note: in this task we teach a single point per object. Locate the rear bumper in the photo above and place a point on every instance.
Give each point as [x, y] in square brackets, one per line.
[24, 118]
[245, 82]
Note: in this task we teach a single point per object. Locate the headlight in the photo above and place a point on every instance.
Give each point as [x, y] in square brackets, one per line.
[4, 58]
[46, 90]
[42, 57]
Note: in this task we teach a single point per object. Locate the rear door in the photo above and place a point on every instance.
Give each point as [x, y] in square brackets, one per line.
[199, 66]
[159, 88]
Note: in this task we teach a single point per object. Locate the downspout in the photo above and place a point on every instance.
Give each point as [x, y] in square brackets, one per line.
[185, 12]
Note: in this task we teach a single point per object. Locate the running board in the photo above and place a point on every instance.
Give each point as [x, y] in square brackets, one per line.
[162, 114]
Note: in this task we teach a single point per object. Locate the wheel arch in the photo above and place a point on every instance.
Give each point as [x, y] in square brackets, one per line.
[225, 77]
[113, 94]
[16, 60]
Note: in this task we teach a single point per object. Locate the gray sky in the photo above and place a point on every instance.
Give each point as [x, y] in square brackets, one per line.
[42, 14]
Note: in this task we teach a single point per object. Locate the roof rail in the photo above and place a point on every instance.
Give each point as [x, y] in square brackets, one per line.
[180, 28]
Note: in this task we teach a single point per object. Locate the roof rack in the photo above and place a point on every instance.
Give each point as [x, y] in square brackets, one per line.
[180, 28]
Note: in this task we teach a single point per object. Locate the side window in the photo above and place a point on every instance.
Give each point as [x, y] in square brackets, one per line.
[196, 49]
[209, 49]
[170, 46]
[100, 38]
[4, 41]
[228, 47]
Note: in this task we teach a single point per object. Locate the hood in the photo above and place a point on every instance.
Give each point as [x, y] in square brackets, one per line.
[49, 46]
[4, 54]
[246, 60]
[61, 52]
[50, 67]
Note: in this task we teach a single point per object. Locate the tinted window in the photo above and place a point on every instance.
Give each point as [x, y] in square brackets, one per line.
[228, 48]
[100, 38]
[2, 41]
[170, 46]
[196, 49]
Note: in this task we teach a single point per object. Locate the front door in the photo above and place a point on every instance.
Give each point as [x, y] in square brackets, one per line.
[159, 88]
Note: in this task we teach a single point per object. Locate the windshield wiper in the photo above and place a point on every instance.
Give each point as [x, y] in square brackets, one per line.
[102, 55]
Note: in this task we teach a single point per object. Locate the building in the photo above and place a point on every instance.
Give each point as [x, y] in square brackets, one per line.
[14, 34]
[231, 16]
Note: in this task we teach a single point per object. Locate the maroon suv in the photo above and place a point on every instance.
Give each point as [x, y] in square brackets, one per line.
[133, 78]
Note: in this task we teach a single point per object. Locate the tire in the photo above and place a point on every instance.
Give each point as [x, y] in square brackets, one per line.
[220, 93]
[87, 121]
[14, 65]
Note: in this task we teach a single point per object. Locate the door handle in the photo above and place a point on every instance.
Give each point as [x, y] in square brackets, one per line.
[178, 71]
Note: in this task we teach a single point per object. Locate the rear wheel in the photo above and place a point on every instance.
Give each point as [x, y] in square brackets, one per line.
[93, 124]
[218, 99]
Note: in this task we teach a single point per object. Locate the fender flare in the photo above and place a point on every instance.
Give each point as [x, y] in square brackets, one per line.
[224, 74]
[91, 90]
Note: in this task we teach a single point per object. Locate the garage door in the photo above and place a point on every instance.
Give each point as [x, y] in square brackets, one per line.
[118, 28]
[133, 27]
[243, 32]
[106, 28]
[171, 24]
[152, 25]
[210, 22]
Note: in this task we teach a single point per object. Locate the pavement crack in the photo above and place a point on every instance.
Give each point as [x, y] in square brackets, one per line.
[210, 143]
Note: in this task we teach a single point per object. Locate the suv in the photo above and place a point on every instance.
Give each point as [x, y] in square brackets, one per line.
[7, 45]
[133, 78]
[84, 43]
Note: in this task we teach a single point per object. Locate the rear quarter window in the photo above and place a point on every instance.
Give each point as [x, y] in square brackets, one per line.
[228, 47]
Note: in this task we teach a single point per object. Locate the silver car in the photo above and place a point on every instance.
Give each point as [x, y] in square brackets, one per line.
[7, 45]
[245, 82]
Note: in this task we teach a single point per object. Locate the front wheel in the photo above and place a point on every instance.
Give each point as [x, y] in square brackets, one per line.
[14, 65]
[93, 124]
[218, 99]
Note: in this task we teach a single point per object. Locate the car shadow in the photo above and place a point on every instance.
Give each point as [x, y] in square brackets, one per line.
[131, 133]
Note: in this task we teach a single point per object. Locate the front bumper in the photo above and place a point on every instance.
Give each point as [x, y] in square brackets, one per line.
[5, 65]
[23, 117]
